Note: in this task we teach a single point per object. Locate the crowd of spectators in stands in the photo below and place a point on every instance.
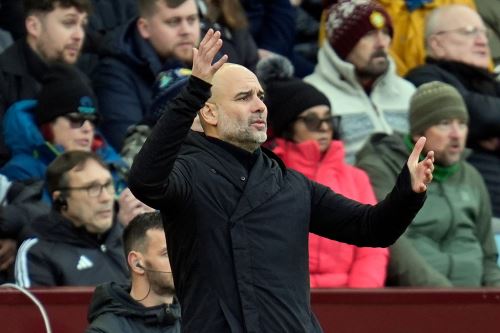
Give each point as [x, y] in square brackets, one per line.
[349, 86]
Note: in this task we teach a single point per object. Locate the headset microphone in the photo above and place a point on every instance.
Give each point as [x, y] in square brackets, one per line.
[151, 270]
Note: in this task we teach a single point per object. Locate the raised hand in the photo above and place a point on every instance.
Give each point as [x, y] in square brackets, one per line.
[421, 172]
[203, 56]
[130, 206]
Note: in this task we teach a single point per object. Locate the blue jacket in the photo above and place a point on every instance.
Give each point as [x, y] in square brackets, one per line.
[123, 82]
[31, 154]
[272, 24]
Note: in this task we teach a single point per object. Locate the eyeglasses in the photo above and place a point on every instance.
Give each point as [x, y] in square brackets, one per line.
[467, 31]
[76, 120]
[314, 123]
[95, 189]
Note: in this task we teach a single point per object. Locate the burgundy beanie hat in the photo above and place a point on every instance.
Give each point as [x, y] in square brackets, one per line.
[349, 20]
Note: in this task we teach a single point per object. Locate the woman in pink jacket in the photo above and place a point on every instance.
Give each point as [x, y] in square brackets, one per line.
[306, 139]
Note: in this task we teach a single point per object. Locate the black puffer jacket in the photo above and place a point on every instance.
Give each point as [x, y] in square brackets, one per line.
[113, 310]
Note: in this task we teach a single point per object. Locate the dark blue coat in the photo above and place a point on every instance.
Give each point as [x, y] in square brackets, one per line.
[123, 82]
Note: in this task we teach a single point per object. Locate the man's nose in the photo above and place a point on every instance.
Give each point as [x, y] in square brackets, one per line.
[185, 27]
[381, 39]
[79, 33]
[87, 126]
[260, 106]
[456, 130]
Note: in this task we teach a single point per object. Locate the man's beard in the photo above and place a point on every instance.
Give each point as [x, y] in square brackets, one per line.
[161, 283]
[231, 131]
[58, 57]
[373, 70]
[445, 159]
[162, 288]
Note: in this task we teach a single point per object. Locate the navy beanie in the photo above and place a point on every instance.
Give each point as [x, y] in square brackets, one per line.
[64, 90]
[286, 97]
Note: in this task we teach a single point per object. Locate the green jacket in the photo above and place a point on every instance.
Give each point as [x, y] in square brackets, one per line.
[450, 241]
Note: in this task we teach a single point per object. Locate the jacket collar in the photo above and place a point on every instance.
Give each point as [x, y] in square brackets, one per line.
[264, 180]
[36, 66]
[137, 51]
[309, 151]
[56, 228]
[196, 139]
[330, 63]
[20, 59]
[456, 66]
[115, 298]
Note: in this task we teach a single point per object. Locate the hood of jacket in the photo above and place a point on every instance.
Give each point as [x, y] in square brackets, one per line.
[307, 158]
[55, 228]
[115, 298]
[21, 133]
[131, 48]
[392, 149]
[339, 72]
[389, 147]
[196, 143]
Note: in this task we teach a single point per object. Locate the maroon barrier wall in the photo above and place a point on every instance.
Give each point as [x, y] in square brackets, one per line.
[408, 310]
[66, 308]
[339, 311]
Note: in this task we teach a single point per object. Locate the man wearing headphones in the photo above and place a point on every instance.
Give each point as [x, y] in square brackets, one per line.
[148, 304]
[79, 241]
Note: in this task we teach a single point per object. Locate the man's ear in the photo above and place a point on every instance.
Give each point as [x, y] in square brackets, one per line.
[143, 27]
[33, 26]
[55, 195]
[208, 113]
[434, 45]
[134, 261]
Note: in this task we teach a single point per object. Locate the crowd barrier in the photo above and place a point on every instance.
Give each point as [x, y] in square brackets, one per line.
[389, 310]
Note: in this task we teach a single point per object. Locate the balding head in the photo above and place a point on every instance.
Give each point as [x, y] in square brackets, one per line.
[457, 33]
[235, 112]
[226, 77]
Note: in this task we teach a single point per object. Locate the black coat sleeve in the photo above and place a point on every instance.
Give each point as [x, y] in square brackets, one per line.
[336, 217]
[153, 178]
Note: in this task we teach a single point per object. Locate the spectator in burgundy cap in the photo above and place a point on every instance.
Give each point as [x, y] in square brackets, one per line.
[356, 73]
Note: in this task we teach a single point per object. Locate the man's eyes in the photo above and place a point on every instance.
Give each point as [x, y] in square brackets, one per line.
[69, 23]
[177, 20]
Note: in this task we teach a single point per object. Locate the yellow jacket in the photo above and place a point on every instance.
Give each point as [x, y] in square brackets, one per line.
[408, 45]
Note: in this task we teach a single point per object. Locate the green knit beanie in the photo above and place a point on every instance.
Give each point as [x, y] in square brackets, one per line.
[434, 102]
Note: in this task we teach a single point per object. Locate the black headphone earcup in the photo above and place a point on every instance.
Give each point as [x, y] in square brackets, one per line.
[60, 203]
